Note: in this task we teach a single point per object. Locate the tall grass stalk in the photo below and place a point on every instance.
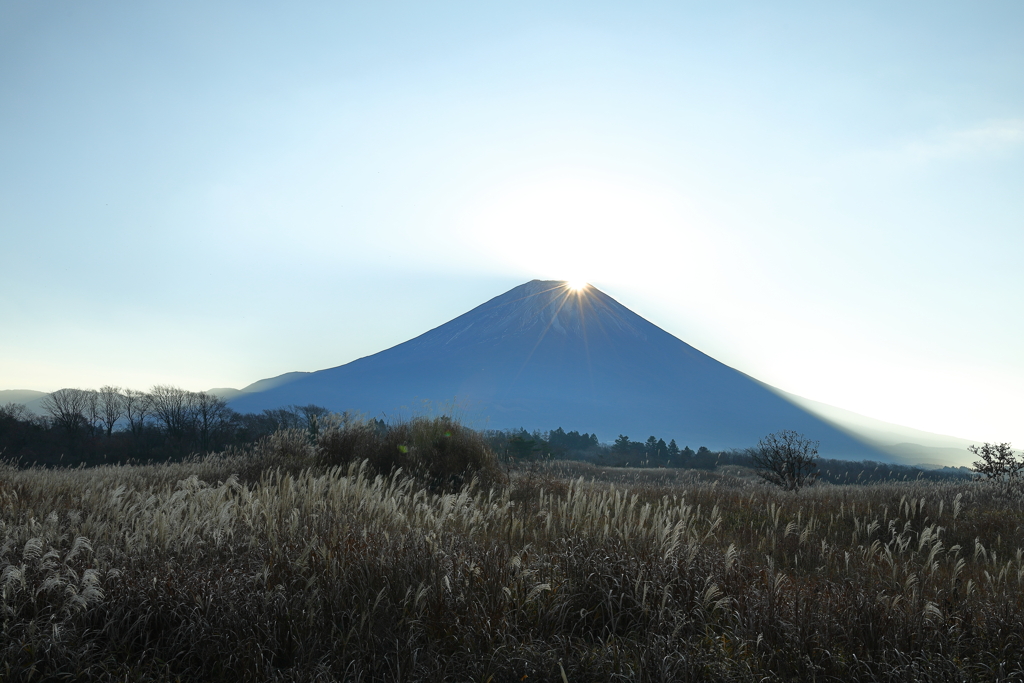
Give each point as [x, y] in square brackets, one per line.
[278, 565]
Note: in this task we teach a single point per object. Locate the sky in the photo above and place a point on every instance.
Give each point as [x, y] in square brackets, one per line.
[825, 196]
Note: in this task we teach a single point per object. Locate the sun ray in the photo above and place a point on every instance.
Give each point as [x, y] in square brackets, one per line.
[544, 332]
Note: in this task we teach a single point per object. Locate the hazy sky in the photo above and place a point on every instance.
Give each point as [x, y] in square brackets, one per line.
[826, 196]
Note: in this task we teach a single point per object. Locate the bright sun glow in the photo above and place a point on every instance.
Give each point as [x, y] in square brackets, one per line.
[593, 225]
[576, 285]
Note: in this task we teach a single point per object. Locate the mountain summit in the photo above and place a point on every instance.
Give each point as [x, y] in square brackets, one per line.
[544, 355]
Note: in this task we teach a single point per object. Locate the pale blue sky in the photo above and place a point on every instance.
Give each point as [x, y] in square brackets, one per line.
[826, 196]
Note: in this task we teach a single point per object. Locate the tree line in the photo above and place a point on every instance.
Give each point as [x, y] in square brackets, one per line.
[114, 424]
[521, 445]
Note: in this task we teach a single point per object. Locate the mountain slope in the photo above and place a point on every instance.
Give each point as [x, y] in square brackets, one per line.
[20, 396]
[903, 443]
[32, 400]
[543, 356]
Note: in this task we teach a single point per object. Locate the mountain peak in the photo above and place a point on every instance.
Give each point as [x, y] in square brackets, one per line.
[544, 355]
[540, 307]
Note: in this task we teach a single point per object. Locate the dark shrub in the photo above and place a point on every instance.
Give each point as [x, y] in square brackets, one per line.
[441, 453]
[352, 441]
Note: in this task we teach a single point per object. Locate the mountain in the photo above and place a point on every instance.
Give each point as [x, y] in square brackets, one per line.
[542, 356]
[33, 400]
[20, 396]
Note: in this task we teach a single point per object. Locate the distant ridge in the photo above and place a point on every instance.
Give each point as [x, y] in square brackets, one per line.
[30, 399]
[22, 396]
[542, 356]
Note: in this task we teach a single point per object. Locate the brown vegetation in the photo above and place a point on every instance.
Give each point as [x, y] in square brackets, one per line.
[300, 560]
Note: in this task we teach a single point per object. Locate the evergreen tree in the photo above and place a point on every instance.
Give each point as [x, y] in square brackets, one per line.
[705, 459]
[521, 446]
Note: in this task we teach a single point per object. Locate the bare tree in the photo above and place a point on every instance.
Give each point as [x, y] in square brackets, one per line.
[92, 409]
[15, 411]
[786, 459]
[69, 408]
[137, 408]
[110, 406]
[173, 407]
[314, 416]
[211, 413]
[999, 464]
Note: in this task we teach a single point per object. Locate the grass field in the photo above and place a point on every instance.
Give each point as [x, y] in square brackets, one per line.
[269, 565]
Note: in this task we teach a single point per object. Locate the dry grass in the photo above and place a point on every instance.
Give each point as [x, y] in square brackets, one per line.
[270, 566]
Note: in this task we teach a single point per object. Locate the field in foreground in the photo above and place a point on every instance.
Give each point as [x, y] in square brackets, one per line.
[235, 568]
